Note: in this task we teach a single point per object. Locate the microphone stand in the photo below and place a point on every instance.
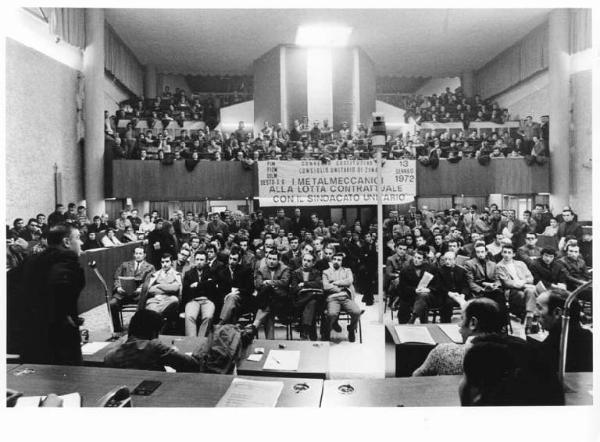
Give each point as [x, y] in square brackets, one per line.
[94, 267]
[564, 331]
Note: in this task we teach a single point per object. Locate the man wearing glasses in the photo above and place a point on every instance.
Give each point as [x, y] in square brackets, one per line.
[529, 252]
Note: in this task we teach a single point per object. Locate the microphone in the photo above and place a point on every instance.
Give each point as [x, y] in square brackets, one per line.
[92, 264]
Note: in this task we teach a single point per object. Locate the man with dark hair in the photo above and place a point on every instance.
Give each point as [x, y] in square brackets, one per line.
[548, 270]
[236, 284]
[339, 289]
[71, 214]
[41, 220]
[271, 280]
[574, 264]
[530, 252]
[138, 269]
[162, 290]
[517, 280]
[53, 281]
[144, 351]
[502, 370]
[306, 288]
[58, 216]
[478, 316]
[550, 307]
[199, 285]
[568, 226]
[293, 253]
[481, 277]
[410, 276]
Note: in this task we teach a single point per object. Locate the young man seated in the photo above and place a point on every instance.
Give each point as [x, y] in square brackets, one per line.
[271, 280]
[162, 290]
[144, 351]
[199, 284]
[306, 288]
[339, 289]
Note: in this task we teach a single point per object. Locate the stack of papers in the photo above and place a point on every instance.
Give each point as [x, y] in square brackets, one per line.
[72, 400]
[93, 347]
[282, 360]
[414, 333]
[247, 393]
[452, 332]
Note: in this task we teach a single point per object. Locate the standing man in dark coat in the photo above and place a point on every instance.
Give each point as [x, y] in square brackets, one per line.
[53, 281]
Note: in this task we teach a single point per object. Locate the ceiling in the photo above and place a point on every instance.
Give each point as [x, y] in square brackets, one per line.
[401, 42]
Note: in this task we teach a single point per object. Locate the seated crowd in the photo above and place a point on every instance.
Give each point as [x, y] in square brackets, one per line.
[305, 270]
[492, 254]
[319, 140]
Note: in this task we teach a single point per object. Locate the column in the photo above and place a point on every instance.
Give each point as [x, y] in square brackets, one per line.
[559, 72]
[93, 109]
[150, 81]
[467, 82]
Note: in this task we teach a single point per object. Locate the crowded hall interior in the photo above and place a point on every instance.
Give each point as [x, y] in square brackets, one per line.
[328, 208]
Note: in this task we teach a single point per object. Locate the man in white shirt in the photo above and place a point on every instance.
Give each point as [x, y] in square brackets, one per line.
[339, 289]
[516, 278]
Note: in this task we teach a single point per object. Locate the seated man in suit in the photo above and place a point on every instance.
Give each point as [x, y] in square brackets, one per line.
[550, 307]
[306, 288]
[410, 276]
[138, 269]
[393, 267]
[577, 272]
[451, 282]
[236, 284]
[517, 280]
[144, 351]
[162, 290]
[271, 280]
[199, 285]
[481, 277]
[339, 289]
[530, 252]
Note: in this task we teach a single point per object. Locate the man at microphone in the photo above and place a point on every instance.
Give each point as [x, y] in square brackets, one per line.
[53, 282]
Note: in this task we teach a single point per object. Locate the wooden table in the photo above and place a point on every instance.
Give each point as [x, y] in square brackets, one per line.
[314, 359]
[431, 391]
[10, 367]
[177, 389]
[404, 358]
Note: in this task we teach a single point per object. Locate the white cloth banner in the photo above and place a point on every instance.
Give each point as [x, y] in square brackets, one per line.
[337, 183]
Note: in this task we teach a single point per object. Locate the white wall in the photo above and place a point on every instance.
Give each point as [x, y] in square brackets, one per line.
[438, 85]
[113, 95]
[232, 115]
[528, 98]
[174, 81]
[394, 118]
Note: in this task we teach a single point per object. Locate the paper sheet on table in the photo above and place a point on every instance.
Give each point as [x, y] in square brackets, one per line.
[255, 357]
[92, 347]
[425, 280]
[411, 333]
[452, 332]
[247, 393]
[72, 400]
[282, 360]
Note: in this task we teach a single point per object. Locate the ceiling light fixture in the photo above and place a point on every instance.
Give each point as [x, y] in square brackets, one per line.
[323, 35]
